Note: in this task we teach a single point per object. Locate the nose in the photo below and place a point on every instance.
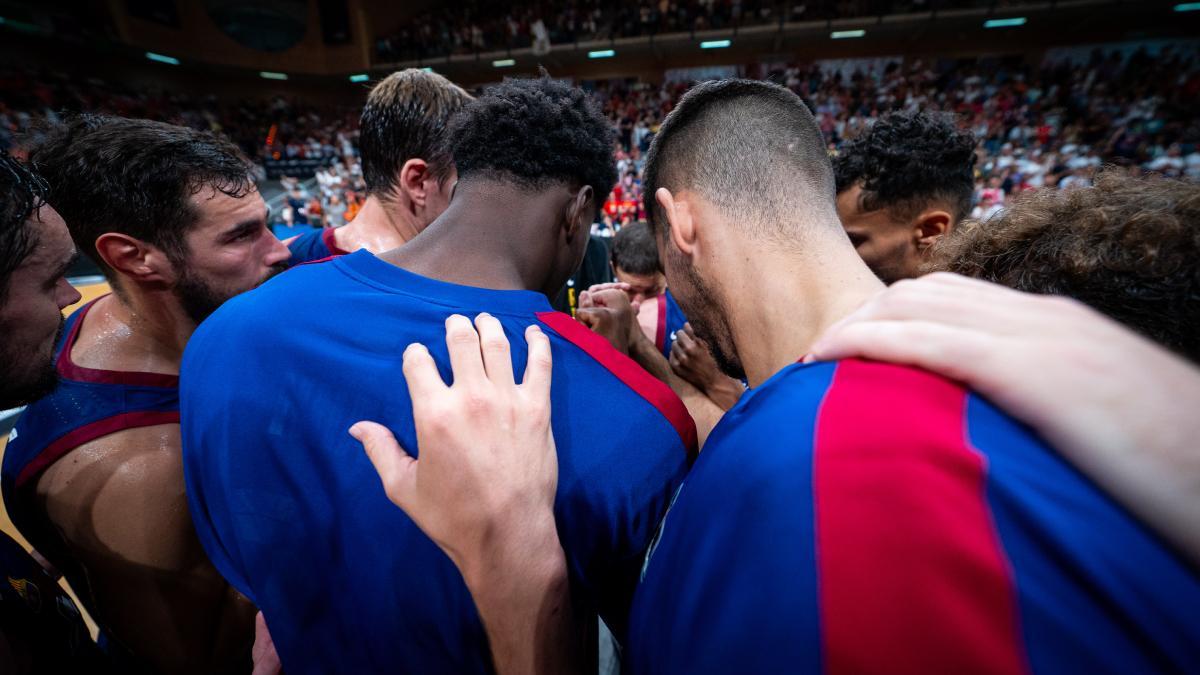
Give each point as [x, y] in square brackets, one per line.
[69, 298]
[279, 253]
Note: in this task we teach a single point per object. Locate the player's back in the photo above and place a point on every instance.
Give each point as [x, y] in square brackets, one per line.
[869, 518]
[291, 511]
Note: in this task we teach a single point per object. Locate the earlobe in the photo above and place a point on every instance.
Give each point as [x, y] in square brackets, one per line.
[413, 175]
[579, 212]
[681, 227]
[131, 257]
[930, 226]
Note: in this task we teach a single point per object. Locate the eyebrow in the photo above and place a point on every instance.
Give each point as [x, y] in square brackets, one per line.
[250, 223]
[62, 269]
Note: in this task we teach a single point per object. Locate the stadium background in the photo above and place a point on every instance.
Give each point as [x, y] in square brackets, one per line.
[1051, 89]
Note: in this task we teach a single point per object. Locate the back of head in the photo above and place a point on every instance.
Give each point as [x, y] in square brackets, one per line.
[1128, 247]
[135, 177]
[22, 192]
[908, 162]
[634, 250]
[535, 133]
[752, 149]
[405, 117]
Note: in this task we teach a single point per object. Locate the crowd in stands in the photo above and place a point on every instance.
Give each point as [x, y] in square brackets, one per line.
[269, 128]
[479, 26]
[1051, 125]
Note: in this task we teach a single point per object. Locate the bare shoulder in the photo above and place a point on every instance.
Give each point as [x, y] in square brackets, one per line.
[124, 493]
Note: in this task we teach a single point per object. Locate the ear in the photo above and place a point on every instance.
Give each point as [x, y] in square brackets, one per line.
[412, 180]
[681, 226]
[929, 226]
[581, 210]
[134, 258]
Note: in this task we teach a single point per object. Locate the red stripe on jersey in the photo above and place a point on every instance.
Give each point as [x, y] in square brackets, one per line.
[660, 335]
[912, 576]
[330, 241]
[90, 432]
[644, 384]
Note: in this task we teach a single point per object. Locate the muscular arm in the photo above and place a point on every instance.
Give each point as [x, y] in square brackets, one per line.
[118, 524]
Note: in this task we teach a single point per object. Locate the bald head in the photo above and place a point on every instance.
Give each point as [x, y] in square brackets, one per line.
[752, 149]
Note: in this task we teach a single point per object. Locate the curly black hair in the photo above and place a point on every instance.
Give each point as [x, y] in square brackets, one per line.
[112, 174]
[909, 159]
[22, 192]
[535, 132]
[1128, 247]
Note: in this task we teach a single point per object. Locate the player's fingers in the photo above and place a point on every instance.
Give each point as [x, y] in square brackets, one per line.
[463, 343]
[494, 346]
[687, 329]
[396, 468]
[421, 374]
[585, 300]
[588, 317]
[684, 342]
[951, 351]
[539, 366]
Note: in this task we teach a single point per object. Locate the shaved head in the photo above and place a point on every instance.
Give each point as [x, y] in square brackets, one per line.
[753, 149]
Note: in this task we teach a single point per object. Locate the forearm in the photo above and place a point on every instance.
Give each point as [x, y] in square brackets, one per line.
[724, 391]
[521, 590]
[704, 411]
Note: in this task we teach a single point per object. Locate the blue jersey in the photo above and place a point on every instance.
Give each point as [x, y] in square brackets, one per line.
[858, 517]
[314, 245]
[87, 404]
[670, 321]
[291, 511]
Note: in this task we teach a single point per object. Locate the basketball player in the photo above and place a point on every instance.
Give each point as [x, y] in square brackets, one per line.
[408, 170]
[902, 186]
[853, 515]
[93, 473]
[284, 501]
[635, 264]
[40, 628]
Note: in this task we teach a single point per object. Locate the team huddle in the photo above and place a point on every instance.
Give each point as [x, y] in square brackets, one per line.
[747, 454]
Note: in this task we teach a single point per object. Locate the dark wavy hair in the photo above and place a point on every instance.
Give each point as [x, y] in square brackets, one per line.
[1128, 247]
[909, 159]
[22, 192]
[136, 177]
[535, 132]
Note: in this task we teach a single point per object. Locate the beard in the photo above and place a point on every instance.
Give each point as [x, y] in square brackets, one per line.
[20, 389]
[200, 299]
[704, 311]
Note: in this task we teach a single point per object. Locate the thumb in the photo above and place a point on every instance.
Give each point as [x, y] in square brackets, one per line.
[588, 317]
[396, 469]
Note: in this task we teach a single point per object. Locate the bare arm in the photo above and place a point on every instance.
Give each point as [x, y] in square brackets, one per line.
[1118, 406]
[124, 537]
[692, 360]
[483, 489]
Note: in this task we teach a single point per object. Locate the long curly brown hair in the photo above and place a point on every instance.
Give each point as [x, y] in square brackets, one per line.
[1129, 247]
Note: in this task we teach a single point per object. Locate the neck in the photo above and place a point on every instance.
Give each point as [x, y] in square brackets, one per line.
[141, 330]
[492, 236]
[787, 299]
[379, 226]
